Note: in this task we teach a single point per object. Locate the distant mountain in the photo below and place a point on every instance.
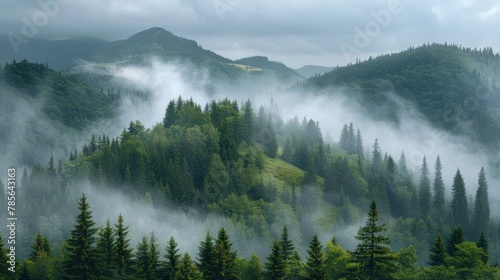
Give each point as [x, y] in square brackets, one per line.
[455, 88]
[264, 63]
[309, 71]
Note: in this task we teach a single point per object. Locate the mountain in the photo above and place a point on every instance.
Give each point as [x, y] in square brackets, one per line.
[455, 88]
[309, 71]
[264, 63]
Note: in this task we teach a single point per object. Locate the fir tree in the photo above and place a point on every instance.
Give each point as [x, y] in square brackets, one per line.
[172, 257]
[40, 247]
[286, 245]
[106, 249]
[142, 260]
[438, 252]
[206, 255]
[456, 237]
[376, 259]
[315, 265]
[275, 266]
[483, 244]
[438, 188]
[481, 206]
[154, 257]
[187, 269]
[359, 145]
[82, 259]
[123, 252]
[424, 195]
[225, 259]
[459, 213]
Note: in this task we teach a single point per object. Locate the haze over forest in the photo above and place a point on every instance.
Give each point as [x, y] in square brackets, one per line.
[211, 148]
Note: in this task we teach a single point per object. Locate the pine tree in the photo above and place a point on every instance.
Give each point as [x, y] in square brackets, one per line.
[376, 259]
[376, 158]
[154, 257]
[275, 266]
[81, 260]
[456, 237]
[187, 269]
[424, 195]
[225, 259]
[438, 188]
[315, 265]
[106, 249]
[438, 252]
[286, 245]
[40, 247]
[247, 122]
[142, 260]
[481, 206]
[483, 244]
[459, 213]
[172, 257]
[123, 252]
[359, 145]
[206, 255]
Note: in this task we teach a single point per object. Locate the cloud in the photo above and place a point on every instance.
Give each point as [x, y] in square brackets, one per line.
[294, 32]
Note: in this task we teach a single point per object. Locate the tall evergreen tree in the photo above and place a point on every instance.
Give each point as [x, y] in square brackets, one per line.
[483, 244]
[459, 207]
[275, 265]
[124, 260]
[344, 138]
[456, 237]
[481, 206]
[376, 158]
[82, 259]
[247, 122]
[41, 246]
[438, 252]
[286, 245]
[142, 260]
[225, 259]
[106, 249]
[154, 257]
[172, 257]
[376, 259]
[424, 195]
[438, 188]
[359, 145]
[315, 265]
[187, 269]
[206, 256]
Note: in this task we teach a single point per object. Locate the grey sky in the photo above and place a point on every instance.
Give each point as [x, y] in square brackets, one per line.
[296, 32]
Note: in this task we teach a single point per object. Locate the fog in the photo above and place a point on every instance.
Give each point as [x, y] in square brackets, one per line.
[413, 134]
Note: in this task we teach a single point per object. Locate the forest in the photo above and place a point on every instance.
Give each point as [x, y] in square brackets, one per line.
[273, 180]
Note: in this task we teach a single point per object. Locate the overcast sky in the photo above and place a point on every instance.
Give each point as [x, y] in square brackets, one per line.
[296, 32]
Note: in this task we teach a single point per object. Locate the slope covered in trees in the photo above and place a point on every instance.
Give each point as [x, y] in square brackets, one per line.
[455, 88]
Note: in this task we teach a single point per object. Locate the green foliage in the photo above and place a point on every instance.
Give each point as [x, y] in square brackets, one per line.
[459, 207]
[172, 258]
[456, 237]
[337, 261]
[187, 269]
[124, 260]
[276, 263]
[225, 259]
[82, 260]
[438, 252]
[315, 265]
[206, 257]
[372, 253]
[481, 216]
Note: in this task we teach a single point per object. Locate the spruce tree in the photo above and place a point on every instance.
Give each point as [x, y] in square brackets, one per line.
[187, 269]
[275, 265]
[154, 257]
[106, 249]
[376, 259]
[286, 245]
[315, 265]
[424, 195]
[344, 138]
[172, 257]
[481, 206]
[206, 255]
[483, 244]
[438, 252]
[456, 237]
[359, 145]
[40, 247]
[438, 189]
[143, 261]
[225, 259]
[459, 213]
[82, 259]
[123, 251]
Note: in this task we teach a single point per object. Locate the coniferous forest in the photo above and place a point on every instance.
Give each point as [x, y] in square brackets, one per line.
[233, 188]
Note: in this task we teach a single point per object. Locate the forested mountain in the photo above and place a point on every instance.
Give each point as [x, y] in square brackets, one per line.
[456, 88]
[226, 159]
[309, 71]
[279, 197]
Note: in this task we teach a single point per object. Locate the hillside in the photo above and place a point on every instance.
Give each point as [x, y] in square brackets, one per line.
[455, 88]
[309, 71]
